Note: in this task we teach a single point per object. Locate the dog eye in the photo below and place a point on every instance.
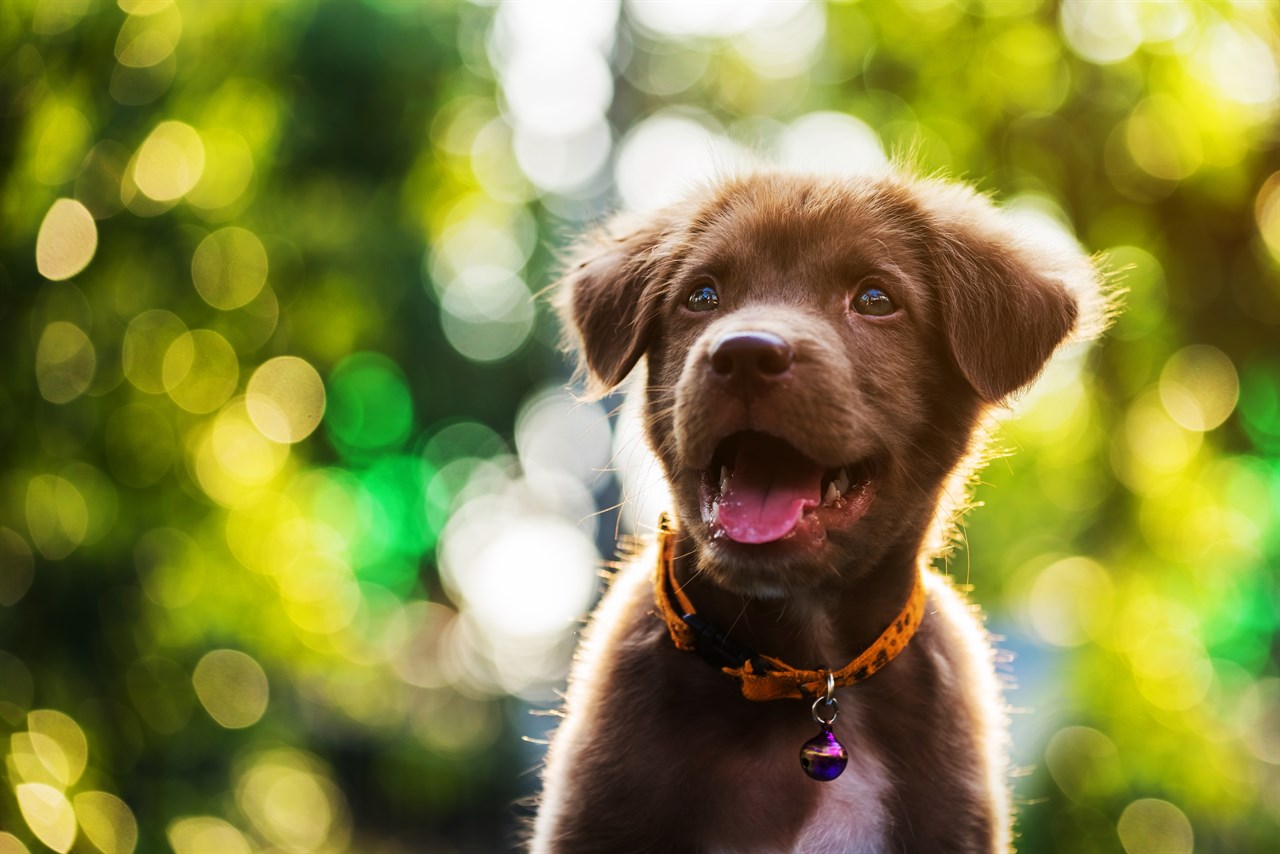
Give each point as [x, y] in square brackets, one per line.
[873, 302]
[703, 298]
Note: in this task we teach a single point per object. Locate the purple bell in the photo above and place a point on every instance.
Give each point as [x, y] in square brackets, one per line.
[823, 757]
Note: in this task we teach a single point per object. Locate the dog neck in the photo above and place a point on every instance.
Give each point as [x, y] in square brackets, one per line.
[823, 627]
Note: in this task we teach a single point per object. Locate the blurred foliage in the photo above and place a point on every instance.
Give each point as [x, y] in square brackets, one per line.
[294, 520]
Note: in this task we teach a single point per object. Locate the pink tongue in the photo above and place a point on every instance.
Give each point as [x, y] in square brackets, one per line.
[768, 490]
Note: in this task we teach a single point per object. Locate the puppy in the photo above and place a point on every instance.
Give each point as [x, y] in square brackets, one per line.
[820, 355]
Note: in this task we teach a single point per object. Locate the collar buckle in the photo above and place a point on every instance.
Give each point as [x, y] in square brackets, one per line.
[713, 645]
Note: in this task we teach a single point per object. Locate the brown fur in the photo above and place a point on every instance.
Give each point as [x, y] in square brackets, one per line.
[659, 751]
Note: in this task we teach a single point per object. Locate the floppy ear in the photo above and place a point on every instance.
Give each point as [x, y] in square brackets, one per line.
[1007, 299]
[609, 298]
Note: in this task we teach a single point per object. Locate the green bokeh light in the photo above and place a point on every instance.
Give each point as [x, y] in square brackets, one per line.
[397, 530]
[369, 408]
[1260, 403]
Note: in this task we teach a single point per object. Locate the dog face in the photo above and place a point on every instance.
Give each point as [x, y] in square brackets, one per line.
[818, 354]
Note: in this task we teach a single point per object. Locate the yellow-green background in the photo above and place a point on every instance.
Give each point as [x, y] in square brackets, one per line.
[221, 631]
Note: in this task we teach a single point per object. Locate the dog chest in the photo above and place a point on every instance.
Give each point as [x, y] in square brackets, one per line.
[845, 816]
[850, 815]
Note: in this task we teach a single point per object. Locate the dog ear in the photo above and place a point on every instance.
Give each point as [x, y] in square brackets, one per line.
[609, 298]
[1007, 298]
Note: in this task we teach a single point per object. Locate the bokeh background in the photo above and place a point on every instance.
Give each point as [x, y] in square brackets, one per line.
[297, 517]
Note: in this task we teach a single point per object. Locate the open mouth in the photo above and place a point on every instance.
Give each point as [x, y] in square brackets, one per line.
[761, 489]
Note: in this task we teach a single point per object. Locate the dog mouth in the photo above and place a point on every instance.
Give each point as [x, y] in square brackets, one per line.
[761, 489]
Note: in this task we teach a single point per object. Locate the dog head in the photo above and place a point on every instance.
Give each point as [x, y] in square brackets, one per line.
[819, 354]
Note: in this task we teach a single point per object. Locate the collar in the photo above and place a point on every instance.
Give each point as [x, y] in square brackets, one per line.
[763, 677]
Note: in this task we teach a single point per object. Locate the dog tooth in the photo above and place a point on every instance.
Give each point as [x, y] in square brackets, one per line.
[841, 481]
[724, 478]
[832, 495]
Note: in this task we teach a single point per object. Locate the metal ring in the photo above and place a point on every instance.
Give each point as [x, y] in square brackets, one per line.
[828, 700]
[830, 704]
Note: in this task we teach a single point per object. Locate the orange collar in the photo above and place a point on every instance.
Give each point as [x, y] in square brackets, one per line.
[763, 677]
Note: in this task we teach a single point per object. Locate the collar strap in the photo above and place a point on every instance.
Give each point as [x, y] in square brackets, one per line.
[764, 677]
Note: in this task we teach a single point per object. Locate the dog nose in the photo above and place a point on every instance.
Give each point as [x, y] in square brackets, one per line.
[747, 360]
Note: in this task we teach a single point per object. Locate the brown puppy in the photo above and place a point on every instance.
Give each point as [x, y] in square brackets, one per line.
[820, 354]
